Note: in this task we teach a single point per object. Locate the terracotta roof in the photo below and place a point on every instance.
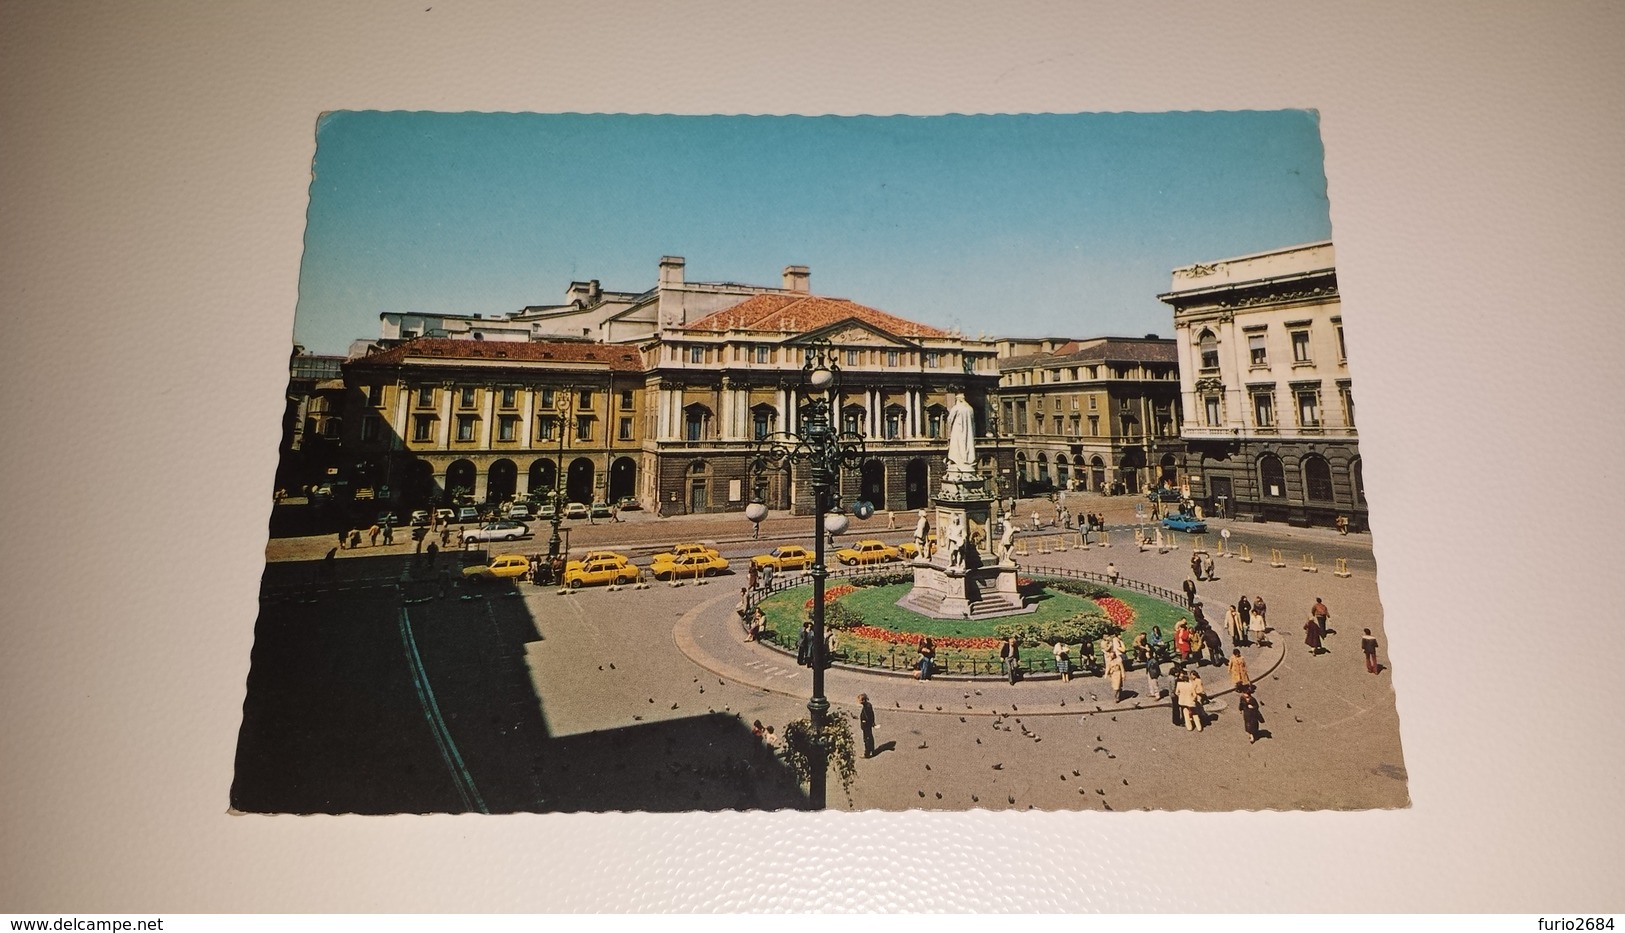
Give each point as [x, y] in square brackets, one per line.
[618, 357]
[801, 313]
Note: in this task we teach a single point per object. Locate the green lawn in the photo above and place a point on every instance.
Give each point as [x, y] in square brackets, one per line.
[877, 604]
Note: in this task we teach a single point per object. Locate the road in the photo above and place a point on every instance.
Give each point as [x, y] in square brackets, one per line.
[519, 699]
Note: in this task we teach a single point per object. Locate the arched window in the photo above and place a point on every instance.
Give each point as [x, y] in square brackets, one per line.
[1358, 470]
[852, 418]
[1043, 468]
[935, 417]
[1209, 346]
[1272, 478]
[1317, 479]
[763, 421]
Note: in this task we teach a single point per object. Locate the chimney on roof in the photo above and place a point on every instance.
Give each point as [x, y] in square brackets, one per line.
[798, 279]
[594, 292]
[671, 270]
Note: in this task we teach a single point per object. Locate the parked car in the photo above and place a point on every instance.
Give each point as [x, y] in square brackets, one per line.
[1184, 521]
[466, 514]
[1164, 494]
[788, 557]
[420, 517]
[629, 504]
[519, 512]
[575, 510]
[442, 516]
[682, 550]
[684, 566]
[612, 568]
[501, 567]
[387, 517]
[497, 531]
[599, 510]
[591, 556]
[868, 552]
[909, 551]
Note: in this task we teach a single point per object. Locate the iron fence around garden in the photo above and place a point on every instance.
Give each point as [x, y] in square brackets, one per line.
[903, 657]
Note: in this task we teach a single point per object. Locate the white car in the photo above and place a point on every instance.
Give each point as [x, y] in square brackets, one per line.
[497, 531]
[575, 510]
[519, 512]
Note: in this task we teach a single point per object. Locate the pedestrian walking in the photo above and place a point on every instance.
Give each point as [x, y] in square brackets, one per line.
[1255, 629]
[1063, 660]
[1207, 566]
[389, 533]
[1190, 592]
[1111, 572]
[804, 645]
[1238, 668]
[752, 573]
[445, 535]
[344, 538]
[1210, 641]
[372, 535]
[355, 538]
[1236, 627]
[1322, 615]
[1178, 676]
[928, 654]
[1037, 524]
[1196, 565]
[1153, 672]
[891, 520]
[1182, 641]
[1311, 636]
[767, 576]
[1114, 667]
[1185, 692]
[1342, 524]
[1251, 716]
[1245, 607]
[1258, 607]
[1010, 654]
[866, 722]
[1368, 645]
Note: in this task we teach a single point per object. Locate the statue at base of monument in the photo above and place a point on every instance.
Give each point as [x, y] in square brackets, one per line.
[1007, 544]
[921, 529]
[956, 543]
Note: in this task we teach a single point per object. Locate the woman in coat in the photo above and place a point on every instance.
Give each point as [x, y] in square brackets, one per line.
[1251, 716]
[1311, 635]
[1236, 625]
[1182, 640]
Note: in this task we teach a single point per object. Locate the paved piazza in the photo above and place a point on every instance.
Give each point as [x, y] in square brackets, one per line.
[366, 697]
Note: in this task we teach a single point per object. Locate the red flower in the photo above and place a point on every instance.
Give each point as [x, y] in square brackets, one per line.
[831, 594]
[1120, 613]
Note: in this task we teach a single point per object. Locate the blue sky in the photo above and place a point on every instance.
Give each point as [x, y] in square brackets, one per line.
[1063, 225]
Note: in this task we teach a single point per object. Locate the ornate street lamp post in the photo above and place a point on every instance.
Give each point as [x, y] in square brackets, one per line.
[556, 495]
[826, 451]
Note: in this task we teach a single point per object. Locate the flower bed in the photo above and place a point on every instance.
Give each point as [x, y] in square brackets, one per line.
[832, 594]
[1121, 613]
[913, 638]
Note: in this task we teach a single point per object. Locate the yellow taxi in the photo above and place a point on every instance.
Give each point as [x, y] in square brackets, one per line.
[610, 568]
[683, 550]
[596, 555]
[909, 551]
[788, 557]
[686, 566]
[868, 552]
[501, 567]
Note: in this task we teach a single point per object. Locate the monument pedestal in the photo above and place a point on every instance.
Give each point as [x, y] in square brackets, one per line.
[971, 584]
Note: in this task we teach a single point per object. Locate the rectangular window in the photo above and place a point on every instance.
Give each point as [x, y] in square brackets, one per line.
[626, 400]
[761, 353]
[465, 427]
[1300, 346]
[465, 397]
[546, 428]
[1130, 427]
[425, 397]
[583, 427]
[851, 357]
[1348, 406]
[507, 427]
[1342, 351]
[696, 354]
[1093, 403]
[626, 429]
[1264, 410]
[375, 395]
[1211, 406]
[1055, 375]
[422, 427]
[1122, 404]
[761, 424]
[1038, 423]
[585, 397]
[1309, 408]
[510, 397]
[369, 428]
[1257, 352]
[1094, 425]
[891, 358]
[547, 400]
[933, 360]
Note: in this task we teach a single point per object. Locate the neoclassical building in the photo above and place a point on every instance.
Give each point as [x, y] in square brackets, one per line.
[719, 383]
[1269, 426]
[496, 419]
[1088, 414]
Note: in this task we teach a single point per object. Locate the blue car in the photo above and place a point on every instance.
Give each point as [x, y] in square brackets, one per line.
[1181, 521]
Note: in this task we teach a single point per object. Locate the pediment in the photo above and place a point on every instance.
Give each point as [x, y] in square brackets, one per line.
[855, 333]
